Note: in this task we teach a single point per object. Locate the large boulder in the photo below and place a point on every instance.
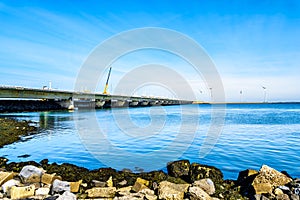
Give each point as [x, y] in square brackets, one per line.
[8, 185]
[171, 191]
[206, 184]
[262, 182]
[198, 171]
[179, 169]
[271, 176]
[22, 192]
[31, 174]
[60, 186]
[197, 193]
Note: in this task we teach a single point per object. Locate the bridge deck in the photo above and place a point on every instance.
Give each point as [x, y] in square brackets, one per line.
[60, 95]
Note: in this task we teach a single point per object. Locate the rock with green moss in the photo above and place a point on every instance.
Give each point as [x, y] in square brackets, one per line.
[179, 169]
[198, 171]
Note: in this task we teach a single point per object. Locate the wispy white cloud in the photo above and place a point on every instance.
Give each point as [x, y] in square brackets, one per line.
[249, 48]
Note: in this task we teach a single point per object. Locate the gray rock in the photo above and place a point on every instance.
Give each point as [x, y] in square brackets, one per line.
[297, 180]
[154, 185]
[171, 191]
[31, 174]
[59, 186]
[9, 184]
[122, 183]
[67, 196]
[297, 191]
[282, 197]
[284, 188]
[259, 197]
[206, 184]
[196, 193]
[294, 197]
[264, 197]
[42, 191]
[98, 183]
[124, 191]
[148, 194]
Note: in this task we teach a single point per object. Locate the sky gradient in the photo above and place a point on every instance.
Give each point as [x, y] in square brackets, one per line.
[252, 43]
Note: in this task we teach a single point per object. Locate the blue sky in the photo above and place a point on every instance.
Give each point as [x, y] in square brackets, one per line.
[252, 43]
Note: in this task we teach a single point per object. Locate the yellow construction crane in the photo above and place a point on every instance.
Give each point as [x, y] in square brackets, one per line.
[106, 85]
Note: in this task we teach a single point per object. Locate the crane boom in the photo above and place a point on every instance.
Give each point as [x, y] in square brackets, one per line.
[106, 85]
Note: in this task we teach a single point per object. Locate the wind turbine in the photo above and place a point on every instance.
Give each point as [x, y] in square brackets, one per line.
[241, 95]
[265, 93]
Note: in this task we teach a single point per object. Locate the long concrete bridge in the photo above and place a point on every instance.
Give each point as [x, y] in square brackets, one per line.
[71, 100]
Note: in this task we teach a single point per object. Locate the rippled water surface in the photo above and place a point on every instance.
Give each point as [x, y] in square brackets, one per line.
[253, 134]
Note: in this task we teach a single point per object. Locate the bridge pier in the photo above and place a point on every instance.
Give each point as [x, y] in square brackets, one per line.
[66, 104]
[133, 103]
[144, 103]
[100, 103]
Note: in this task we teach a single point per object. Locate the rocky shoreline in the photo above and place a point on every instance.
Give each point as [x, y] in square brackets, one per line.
[183, 180]
[32, 180]
[28, 105]
[12, 130]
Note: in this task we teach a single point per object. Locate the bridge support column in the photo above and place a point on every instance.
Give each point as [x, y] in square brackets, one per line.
[133, 103]
[67, 104]
[117, 103]
[100, 103]
[144, 103]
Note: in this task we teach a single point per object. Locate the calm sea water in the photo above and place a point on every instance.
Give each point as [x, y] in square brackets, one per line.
[252, 135]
